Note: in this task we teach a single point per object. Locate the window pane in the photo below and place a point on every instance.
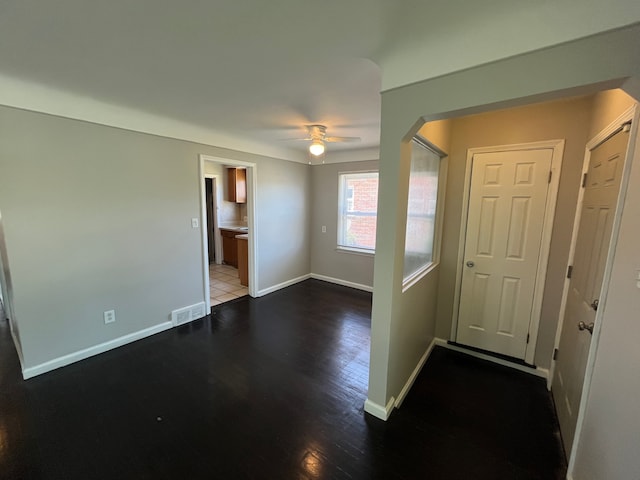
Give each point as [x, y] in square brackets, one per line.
[421, 209]
[357, 213]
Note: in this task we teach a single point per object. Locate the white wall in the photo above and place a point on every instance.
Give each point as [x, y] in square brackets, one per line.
[99, 218]
[325, 259]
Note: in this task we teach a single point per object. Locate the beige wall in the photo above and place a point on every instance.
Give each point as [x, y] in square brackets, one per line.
[566, 119]
[325, 259]
[607, 106]
[438, 132]
[99, 218]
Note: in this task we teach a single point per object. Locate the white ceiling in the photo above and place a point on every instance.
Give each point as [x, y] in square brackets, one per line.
[254, 69]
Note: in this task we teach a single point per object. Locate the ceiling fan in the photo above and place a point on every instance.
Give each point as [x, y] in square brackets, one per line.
[317, 135]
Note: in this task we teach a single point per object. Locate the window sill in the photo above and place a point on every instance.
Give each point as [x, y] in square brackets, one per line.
[417, 276]
[356, 251]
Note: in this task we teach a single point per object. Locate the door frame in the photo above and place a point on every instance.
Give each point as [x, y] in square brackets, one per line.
[557, 147]
[252, 174]
[632, 114]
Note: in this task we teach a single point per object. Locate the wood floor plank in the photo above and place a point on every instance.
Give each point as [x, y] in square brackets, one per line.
[271, 388]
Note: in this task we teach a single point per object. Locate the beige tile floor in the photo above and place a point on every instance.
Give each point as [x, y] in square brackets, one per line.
[224, 284]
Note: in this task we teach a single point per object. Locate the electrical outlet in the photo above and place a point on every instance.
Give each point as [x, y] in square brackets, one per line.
[109, 316]
[324, 229]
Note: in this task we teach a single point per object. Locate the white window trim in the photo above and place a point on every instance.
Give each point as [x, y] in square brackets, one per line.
[344, 248]
[354, 250]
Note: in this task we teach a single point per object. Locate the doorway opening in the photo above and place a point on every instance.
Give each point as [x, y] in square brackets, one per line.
[228, 229]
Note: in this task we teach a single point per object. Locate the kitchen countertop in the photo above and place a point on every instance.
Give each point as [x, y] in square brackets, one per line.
[235, 228]
[244, 236]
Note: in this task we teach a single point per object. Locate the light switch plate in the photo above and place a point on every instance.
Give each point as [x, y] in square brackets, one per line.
[195, 223]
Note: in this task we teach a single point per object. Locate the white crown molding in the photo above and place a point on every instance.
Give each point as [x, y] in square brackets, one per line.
[43, 99]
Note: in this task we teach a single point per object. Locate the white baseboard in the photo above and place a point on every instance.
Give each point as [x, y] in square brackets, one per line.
[378, 410]
[538, 372]
[288, 283]
[414, 374]
[95, 350]
[344, 283]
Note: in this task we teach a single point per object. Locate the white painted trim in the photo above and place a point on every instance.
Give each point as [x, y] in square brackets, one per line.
[538, 372]
[552, 195]
[378, 410]
[92, 351]
[344, 283]
[416, 371]
[31, 96]
[612, 128]
[632, 155]
[205, 240]
[419, 275]
[280, 286]
[252, 220]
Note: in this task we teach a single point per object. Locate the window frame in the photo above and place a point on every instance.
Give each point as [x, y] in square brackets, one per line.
[342, 200]
[413, 278]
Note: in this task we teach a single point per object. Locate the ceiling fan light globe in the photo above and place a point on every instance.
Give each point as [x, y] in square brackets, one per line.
[316, 148]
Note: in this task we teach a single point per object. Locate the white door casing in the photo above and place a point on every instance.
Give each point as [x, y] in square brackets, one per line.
[504, 246]
[591, 251]
[252, 223]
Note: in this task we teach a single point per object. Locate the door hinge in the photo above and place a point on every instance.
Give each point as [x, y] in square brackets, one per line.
[555, 353]
[569, 271]
[550, 175]
[527, 338]
[584, 179]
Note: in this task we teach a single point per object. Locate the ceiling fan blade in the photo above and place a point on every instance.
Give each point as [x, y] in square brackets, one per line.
[342, 139]
[295, 139]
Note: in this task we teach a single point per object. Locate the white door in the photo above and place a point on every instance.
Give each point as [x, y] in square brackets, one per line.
[507, 203]
[592, 245]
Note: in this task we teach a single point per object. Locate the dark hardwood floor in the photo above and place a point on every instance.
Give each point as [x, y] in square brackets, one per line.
[271, 388]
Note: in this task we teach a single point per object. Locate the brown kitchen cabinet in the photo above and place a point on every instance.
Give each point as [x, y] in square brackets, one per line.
[237, 183]
[229, 247]
[243, 260]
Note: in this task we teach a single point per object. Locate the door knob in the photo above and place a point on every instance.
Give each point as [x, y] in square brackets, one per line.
[470, 264]
[584, 326]
[594, 304]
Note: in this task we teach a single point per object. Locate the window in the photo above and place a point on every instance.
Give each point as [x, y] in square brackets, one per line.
[422, 204]
[357, 211]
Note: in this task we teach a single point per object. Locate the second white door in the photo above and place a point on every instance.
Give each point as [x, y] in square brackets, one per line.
[507, 204]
